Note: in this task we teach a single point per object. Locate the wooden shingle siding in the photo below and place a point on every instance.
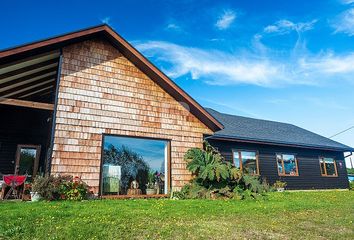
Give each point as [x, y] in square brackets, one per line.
[307, 160]
[102, 92]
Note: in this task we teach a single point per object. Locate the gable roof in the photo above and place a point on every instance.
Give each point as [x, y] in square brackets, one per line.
[246, 129]
[106, 32]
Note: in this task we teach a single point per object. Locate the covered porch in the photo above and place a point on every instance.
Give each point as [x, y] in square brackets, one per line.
[27, 96]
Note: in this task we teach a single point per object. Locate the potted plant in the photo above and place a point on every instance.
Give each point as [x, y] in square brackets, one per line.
[27, 192]
[150, 186]
[280, 186]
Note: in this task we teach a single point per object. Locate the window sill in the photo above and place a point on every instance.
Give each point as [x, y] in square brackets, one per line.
[331, 176]
[287, 175]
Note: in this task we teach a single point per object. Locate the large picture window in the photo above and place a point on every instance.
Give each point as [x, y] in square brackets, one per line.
[328, 167]
[134, 166]
[287, 165]
[247, 161]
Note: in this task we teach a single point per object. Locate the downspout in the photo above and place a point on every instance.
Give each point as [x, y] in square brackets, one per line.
[50, 150]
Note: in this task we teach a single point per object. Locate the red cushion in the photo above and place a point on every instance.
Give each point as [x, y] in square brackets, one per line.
[13, 180]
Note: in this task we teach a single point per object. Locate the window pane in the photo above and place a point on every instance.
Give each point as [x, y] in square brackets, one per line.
[236, 160]
[133, 165]
[27, 159]
[289, 164]
[322, 166]
[249, 162]
[329, 163]
[279, 163]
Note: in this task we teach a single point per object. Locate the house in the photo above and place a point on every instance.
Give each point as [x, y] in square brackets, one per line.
[89, 104]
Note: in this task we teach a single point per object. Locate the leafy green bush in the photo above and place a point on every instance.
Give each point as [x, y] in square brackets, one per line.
[60, 187]
[215, 178]
[279, 184]
[351, 185]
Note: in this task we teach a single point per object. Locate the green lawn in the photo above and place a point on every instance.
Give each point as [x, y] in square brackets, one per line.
[289, 215]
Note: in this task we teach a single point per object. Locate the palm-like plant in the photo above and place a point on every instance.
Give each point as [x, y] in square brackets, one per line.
[207, 163]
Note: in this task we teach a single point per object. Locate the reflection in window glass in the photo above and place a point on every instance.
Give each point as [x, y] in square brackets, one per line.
[328, 167]
[287, 164]
[133, 166]
[247, 161]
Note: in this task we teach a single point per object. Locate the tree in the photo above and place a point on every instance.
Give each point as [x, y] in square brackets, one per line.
[132, 165]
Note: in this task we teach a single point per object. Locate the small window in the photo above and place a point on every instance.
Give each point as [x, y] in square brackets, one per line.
[287, 165]
[328, 167]
[247, 161]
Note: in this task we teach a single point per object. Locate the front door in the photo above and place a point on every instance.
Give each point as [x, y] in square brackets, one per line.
[27, 159]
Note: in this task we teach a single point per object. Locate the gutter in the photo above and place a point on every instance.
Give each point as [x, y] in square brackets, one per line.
[260, 141]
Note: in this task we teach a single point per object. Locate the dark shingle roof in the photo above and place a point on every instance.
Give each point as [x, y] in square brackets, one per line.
[244, 128]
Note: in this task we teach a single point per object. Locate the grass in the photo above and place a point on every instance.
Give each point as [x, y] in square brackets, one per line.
[289, 215]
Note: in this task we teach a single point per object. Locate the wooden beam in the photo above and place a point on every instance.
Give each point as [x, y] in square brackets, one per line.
[28, 77]
[28, 68]
[35, 89]
[27, 85]
[29, 104]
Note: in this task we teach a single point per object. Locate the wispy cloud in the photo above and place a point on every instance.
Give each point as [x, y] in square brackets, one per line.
[106, 20]
[225, 20]
[347, 1]
[285, 26]
[245, 67]
[173, 27]
[344, 23]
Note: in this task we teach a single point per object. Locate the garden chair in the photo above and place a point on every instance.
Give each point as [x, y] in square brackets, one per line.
[13, 181]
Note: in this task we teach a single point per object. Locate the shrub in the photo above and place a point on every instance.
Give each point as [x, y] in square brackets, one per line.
[279, 184]
[351, 185]
[60, 187]
[216, 178]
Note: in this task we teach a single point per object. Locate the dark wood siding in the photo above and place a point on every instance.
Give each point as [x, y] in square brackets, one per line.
[20, 125]
[308, 164]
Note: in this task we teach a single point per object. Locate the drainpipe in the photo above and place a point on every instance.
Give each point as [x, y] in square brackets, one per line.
[50, 150]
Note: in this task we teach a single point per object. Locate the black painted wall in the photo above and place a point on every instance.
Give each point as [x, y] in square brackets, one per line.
[20, 125]
[307, 159]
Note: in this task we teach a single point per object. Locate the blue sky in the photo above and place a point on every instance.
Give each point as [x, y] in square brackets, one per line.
[152, 151]
[290, 61]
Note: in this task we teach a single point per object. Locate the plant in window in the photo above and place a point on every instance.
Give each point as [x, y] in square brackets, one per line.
[150, 186]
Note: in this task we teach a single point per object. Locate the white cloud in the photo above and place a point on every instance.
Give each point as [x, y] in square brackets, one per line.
[347, 1]
[225, 20]
[173, 27]
[220, 68]
[344, 23]
[285, 26]
[106, 20]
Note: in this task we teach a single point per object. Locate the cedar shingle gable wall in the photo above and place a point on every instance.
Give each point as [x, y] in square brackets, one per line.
[102, 92]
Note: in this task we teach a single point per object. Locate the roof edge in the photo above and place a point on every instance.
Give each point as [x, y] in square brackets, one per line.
[267, 142]
[129, 51]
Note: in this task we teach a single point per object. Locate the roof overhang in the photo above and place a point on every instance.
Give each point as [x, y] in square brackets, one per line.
[104, 31]
[32, 78]
[283, 144]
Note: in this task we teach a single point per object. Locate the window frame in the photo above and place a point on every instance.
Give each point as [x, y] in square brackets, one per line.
[240, 159]
[36, 160]
[325, 169]
[282, 163]
[168, 159]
